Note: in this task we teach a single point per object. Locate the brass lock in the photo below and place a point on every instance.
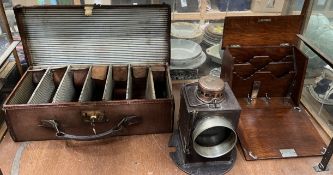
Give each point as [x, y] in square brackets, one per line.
[94, 117]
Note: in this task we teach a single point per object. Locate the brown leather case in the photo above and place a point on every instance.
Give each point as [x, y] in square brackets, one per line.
[93, 74]
[266, 72]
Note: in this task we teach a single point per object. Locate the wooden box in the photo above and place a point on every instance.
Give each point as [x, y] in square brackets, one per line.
[93, 74]
[266, 72]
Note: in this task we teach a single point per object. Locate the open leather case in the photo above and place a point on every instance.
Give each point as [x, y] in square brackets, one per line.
[266, 72]
[92, 75]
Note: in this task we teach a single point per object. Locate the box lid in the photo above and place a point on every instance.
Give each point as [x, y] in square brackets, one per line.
[261, 30]
[53, 35]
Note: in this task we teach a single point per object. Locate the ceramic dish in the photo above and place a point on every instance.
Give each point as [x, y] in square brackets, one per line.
[185, 30]
[183, 51]
[215, 29]
[197, 62]
[213, 34]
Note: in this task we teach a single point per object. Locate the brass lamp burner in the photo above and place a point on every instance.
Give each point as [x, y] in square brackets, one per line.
[210, 88]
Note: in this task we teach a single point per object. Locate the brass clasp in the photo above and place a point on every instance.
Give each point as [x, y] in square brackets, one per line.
[94, 117]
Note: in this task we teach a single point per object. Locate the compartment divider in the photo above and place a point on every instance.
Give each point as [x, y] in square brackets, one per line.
[47, 86]
[150, 89]
[107, 94]
[66, 90]
[44, 89]
[129, 83]
[87, 89]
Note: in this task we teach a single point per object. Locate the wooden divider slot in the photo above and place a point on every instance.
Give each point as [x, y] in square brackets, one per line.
[94, 85]
[119, 77]
[161, 84]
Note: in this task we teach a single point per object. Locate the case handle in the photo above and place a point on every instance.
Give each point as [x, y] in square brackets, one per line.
[126, 121]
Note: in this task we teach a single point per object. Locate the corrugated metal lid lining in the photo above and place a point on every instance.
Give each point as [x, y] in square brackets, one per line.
[111, 35]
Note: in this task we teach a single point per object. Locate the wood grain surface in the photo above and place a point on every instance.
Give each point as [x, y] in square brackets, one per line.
[265, 131]
[261, 30]
[146, 154]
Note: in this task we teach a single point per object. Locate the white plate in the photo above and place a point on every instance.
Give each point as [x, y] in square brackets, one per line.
[197, 62]
[184, 50]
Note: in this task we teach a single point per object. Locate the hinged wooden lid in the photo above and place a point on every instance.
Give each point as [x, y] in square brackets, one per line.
[261, 30]
[54, 35]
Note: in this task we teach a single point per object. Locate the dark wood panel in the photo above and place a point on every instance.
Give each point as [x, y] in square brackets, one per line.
[247, 53]
[270, 84]
[301, 65]
[261, 30]
[278, 69]
[264, 131]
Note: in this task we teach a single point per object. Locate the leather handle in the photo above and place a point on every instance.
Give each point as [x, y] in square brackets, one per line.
[126, 121]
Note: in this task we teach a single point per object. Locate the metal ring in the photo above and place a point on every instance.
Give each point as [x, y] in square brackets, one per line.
[212, 131]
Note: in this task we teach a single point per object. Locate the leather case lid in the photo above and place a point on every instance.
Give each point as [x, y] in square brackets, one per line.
[261, 30]
[54, 35]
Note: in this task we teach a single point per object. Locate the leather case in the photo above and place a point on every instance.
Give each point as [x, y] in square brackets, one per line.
[95, 71]
[266, 72]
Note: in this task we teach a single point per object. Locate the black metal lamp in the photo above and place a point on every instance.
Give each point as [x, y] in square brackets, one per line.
[206, 137]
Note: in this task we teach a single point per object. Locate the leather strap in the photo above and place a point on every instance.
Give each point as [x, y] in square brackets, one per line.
[126, 121]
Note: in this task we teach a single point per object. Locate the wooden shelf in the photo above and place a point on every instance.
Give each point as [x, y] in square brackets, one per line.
[216, 15]
[213, 15]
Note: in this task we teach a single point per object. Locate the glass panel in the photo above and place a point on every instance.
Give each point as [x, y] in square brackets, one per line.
[298, 5]
[185, 6]
[226, 5]
[320, 4]
[295, 7]
[320, 29]
[317, 95]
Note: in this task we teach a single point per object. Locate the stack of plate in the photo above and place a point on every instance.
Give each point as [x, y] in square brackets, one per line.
[213, 34]
[186, 30]
[186, 54]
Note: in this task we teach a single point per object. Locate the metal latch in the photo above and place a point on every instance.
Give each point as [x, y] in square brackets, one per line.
[94, 116]
[254, 92]
[284, 44]
[255, 89]
[88, 10]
